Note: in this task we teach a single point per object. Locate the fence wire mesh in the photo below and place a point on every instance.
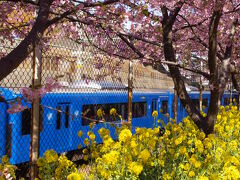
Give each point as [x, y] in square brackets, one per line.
[88, 81]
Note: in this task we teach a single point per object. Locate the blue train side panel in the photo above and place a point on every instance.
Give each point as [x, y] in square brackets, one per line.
[60, 130]
[3, 129]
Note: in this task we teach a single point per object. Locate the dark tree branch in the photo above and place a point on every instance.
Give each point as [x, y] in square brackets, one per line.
[197, 37]
[24, 1]
[132, 36]
[213, 67]
[206, 75]
[104, 3]
[212, 63]
[190, 25]
[18, 54]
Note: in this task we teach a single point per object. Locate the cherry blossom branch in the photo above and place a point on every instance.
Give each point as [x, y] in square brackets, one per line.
[212, 52]
[101, 49]
[94, 4]
[132, 36]
[18, 54]
[131, 45]
[206, 75]
[23, 1]
[189, 25]
[198, 38]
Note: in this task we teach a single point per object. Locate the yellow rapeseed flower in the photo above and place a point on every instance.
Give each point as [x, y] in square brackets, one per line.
[75, 176]
[135, 167]
[144, 155]
[203, 178]
[86, 142]
[91, 135]
[113, 112]
[125, 135]
[111, 158]
[154, 114]
[191, 174]
[100, 113]
[80, 133]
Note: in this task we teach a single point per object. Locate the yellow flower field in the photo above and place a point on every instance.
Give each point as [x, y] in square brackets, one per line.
[180, 151]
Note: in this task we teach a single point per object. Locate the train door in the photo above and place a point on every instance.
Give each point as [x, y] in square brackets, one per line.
[180, 112]
[63, 127]
[3, 130]
[164, 110]
[154, 108]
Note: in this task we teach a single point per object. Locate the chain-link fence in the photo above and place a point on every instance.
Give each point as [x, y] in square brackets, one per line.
[60, 88]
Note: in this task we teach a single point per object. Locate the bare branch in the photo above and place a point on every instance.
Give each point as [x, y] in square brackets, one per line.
[206, 75]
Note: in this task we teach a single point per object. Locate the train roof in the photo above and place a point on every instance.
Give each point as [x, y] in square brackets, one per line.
[9, 93]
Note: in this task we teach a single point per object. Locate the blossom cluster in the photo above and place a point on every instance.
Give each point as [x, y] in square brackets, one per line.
[52, 166]
[7, 171]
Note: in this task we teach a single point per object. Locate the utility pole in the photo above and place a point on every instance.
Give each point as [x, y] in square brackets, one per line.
[201, 88]
[175, 104]
[231, 92]
[130, 91]
[35, 119]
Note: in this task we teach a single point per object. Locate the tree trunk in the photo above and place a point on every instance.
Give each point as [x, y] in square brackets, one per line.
[20, 53]
[213, 68]
[169, 55]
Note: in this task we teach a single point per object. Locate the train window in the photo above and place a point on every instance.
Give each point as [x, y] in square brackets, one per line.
[236, 100]
[139, 109]
[196, 103]
[173, 109]
[181, 108]
[66, 116]
[90, 111]
[26, 121]
[41, 118]
[87, 113]
[226, 101]
[124, 109]
[164, 107]
[58, 117]
[205, 102]
[154, 105]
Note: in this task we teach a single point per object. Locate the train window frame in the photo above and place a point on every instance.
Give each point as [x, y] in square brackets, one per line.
[154, 105]
[196, 103]
[58, 119]
[164, 111]
[226, 101]
[67, 111]
[26, 128]
[144, 110]
[205, 102]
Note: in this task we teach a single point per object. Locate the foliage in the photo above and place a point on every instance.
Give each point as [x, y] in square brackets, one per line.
[53, 166]
[7, 171]
[182, 152]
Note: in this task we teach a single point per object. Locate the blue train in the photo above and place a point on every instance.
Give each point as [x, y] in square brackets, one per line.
[59, 131]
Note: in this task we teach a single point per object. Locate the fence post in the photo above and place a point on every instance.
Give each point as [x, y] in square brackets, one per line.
[175, 104]
[35, 120]
[231, 92]
[200, 98]
[130, 91]
[200, 88]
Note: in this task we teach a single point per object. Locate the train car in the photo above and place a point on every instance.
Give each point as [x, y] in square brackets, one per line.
[61, 118]
[59, 129]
